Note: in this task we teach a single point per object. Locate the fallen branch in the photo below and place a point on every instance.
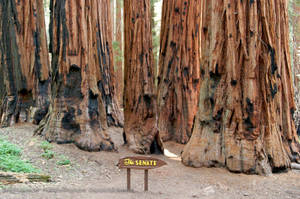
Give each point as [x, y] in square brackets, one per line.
[13, 178]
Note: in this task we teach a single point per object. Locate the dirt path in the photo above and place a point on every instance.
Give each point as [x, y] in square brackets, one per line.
[95, 175]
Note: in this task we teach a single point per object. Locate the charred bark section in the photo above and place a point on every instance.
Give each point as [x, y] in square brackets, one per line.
[24, 62]
[140, 127]
[244, 120]
[83, 102]
[179, 69]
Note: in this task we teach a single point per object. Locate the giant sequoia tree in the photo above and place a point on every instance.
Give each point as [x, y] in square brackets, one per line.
[244, 121]
[24, 63]
[83, 100]
[139, 95]
[178, 80]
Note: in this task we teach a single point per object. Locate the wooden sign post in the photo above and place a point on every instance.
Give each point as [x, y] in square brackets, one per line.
[144, 163]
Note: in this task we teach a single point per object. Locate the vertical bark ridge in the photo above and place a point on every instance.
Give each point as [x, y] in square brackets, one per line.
[139, 95]
[244, 121]
[179, 69]
[25, 63]
[83, 94]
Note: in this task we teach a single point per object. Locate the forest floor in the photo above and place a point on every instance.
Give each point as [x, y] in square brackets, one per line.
[95, 175]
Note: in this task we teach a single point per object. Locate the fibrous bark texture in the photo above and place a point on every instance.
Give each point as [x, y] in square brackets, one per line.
[24, 62]
[179, 69]
[244, 121]
[139, 95]
[83, 100]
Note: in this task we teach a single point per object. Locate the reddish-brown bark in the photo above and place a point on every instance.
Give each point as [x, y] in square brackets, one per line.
[244, 121]
[179, 69]
[83, 97]
[24, 62]
[139, 96]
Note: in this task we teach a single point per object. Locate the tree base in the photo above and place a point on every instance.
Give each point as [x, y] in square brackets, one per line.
[86, 137]
[20, 109]
[150, 143]
[261, 156]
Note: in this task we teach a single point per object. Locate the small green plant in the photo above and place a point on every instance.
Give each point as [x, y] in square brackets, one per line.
[7, 148]
[10, 159]
[46, 146]
[48, 153]
[63, 161]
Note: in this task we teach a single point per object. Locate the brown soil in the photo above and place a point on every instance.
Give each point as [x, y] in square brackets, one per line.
[95, 175]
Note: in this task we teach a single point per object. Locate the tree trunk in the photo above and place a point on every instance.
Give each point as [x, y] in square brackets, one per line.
[83, 100]
[24, 68]
[244, 121]
[179, 74]
[118, 54]
[139, 97]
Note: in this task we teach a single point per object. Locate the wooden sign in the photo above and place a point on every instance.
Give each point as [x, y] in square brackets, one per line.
[140, 162]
